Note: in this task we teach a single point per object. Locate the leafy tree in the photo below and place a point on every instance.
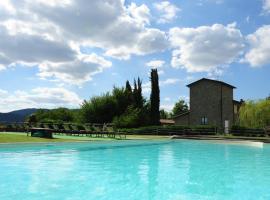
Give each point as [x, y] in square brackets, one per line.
[137, 94]
[180, 107]
[164, 114]
[255, 114]
[130, 119]
[154, 98]
[99, 109]
[121, 99]
[54, 115]
[128, 93]
[32, 118]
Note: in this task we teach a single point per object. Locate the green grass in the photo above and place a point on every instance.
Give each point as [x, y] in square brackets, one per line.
[12, 137]
[22, 137]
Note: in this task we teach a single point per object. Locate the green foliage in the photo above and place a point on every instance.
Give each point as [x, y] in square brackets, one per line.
[99, 109]
[138, 99]
[255, 114]
[180, 107]
[164, 114]
[128, 93]
[121, 100]
[32, 118]
[172, 129]
[131, 118]
[54, 115]
[154, 98]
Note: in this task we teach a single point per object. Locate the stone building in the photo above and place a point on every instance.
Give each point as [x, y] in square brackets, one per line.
[211, 103]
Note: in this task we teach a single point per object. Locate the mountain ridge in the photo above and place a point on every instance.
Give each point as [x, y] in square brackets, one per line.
[16, 115]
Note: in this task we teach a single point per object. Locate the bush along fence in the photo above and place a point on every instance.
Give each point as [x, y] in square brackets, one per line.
[250, 132]
[172, 130]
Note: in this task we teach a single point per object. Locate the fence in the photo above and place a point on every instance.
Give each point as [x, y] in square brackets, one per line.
[171, 130]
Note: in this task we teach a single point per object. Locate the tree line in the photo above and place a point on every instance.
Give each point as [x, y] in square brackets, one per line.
[255, 114]
[123, 106]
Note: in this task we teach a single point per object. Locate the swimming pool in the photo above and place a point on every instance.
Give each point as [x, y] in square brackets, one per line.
[135, 170]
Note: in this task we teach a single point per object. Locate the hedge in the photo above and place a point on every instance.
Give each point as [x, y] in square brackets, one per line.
[173, 130]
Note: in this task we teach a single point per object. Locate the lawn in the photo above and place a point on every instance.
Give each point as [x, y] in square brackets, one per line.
[22, 137]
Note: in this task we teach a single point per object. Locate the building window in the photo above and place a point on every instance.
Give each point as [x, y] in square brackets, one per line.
[204, 121]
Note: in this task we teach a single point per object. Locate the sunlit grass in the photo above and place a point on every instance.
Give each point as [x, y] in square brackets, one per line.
[22, 137]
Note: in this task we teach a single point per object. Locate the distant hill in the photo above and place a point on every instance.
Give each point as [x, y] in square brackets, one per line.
[17, 115]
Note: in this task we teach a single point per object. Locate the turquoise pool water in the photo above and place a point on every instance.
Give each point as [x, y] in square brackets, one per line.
[135, 170]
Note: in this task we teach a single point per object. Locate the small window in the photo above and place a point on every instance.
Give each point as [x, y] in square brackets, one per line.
[204, 121]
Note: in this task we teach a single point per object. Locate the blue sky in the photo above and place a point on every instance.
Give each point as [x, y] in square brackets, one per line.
[58, 52]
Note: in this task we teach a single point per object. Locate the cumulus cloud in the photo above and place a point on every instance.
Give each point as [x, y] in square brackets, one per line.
[205, 48]
[38, 98]
[266, 6]
[167, 10]
[167, 107]
[140, 13]
[155, 63]
[49, 34]
[259, 52]
[107, 24]
[146, 87]
[169, 81]
[76, 72]
[31, 49]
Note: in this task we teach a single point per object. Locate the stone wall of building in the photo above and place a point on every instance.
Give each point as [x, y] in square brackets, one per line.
[182, 119]
[227, 105]
[211, 100]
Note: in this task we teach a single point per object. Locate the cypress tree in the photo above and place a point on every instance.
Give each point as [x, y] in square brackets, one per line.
[135, 93]
[129, 95]
[128, 87]
[154, 98]
[139, 99]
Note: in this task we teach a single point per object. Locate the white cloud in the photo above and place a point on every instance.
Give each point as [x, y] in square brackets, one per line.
[167, 107]
[161, 72]
[6, 7]
[38, 98]
[107, 24]
[259, 52]
[146, 87]
[50, 34]
[167, 10]
[2, 93]
[205, 48]
[167, 99]
[266, 6]
[140, 13]
[76, 72]
[155, 63]
[169, 81]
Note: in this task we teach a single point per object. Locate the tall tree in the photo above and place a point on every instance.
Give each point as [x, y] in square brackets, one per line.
[137, 93]
[180, 107]
[164, 114]
[154, 98]
[128, 92]
[139, 99]
[128, 87]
